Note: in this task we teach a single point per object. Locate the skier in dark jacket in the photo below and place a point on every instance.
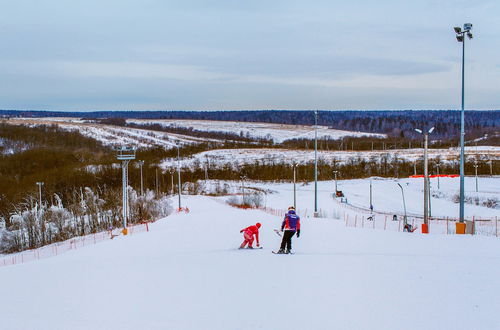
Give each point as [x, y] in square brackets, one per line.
[290, 225]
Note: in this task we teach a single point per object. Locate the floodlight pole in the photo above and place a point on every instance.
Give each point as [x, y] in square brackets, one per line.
[141, 162]
[371, 204]
[461, 36]
[475, 170]
[316, 163]
[40, 184]
[437, 166]
[426, 174]
[405, 221]
[335, 175]
[179, 175]
[294, 165]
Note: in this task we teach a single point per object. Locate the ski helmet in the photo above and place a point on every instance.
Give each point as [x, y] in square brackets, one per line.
[291, 208]
[258, 224]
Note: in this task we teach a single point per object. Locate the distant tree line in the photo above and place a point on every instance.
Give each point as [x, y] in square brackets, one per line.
[395, 123]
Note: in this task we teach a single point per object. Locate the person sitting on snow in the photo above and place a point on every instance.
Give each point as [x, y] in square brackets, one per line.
[248, 235]
[291, 225]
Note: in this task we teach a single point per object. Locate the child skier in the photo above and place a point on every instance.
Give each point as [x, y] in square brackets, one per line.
[248, 235]
[291, 225]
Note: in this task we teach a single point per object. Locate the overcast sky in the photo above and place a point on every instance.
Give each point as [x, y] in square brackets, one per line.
[246, 54]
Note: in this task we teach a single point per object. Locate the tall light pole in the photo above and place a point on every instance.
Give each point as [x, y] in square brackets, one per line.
[405, 221]
[141, 162]
[475, 170]
[335, 176]
[294, 165]
[437, 167]
[172, 185]
[461, 38]
[426, 176]
[316, 163]
[371, 204]
[179, 175]
[491, 167]
[40, 184]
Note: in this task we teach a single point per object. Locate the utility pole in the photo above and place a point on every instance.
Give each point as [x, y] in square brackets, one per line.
[179, 175]
[172, 185]
[437, 166]
[40, 184]
[141, 162]
[335, 178]
[491, 167]
[475, 170]
[294, 165]
[157, 187]
[316, 214]
[426, 177]
[405, 221]
[371, 204]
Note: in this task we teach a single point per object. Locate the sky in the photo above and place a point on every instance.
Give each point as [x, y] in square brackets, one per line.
[246, 54]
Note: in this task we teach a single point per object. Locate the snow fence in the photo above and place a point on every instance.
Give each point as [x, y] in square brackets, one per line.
[68, 245]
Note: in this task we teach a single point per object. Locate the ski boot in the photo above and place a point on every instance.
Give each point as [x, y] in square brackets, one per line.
[280, 251]
[249, 247]
[288, 251]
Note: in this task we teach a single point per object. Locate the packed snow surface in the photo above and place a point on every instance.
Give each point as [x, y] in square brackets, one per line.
[187, 273]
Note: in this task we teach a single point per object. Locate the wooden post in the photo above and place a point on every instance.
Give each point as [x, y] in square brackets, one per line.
[362, 222]
[447, 226]
[385, 222]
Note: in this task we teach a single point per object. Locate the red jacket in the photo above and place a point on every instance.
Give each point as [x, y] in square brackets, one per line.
[252, 230]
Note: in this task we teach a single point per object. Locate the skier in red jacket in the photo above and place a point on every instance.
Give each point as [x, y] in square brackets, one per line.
[248, 234]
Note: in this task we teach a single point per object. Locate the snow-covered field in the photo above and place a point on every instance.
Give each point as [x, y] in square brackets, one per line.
[186, 273]
[264, 156]
[114, 135]
[387, 197]
[277, 132]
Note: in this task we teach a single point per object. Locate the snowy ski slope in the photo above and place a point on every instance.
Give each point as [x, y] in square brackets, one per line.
[186, 273]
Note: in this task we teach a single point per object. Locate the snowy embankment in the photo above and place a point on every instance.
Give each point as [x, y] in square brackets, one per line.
[186, 273]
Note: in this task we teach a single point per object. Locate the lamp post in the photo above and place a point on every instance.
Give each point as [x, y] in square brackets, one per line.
[172, 184]
[404, 204]
[179, 175]
[335, 175]
[141, 162]
[475, 172]
[294, 165]
[437, 167]
[491, 167]
[371, 204]
[460, 35]
[316, 163]
[40, 184]
[426, 177]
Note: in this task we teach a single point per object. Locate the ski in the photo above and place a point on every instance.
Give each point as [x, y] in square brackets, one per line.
[276, 252]
[278, 232]
[255, 248]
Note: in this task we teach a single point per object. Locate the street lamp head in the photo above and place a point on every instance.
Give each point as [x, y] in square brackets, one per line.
[469, 35]
[431, 130]
[457, 29]
[460, 38]
[467, 27]
[418, 130]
